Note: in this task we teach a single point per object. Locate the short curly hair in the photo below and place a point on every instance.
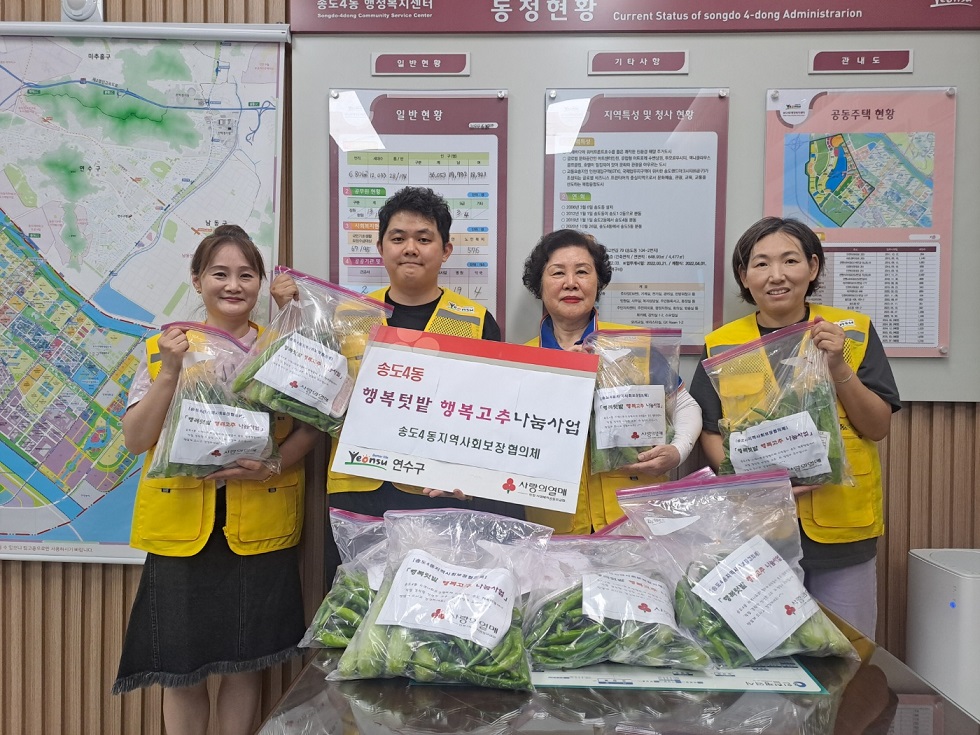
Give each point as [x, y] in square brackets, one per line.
[417, 200]
[768, 226]
[538, 259]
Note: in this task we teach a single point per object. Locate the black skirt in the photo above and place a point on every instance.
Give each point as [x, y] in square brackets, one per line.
[212, 613]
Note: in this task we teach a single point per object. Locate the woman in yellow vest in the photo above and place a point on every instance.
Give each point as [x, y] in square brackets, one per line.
[777, 264]
[220, 591]
[568, 270]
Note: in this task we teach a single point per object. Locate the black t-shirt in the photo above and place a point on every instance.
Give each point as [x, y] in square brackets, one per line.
[875, 372]
[416, 317]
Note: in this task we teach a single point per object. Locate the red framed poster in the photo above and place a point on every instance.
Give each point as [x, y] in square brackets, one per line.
[452, 142]
[644, 172]
[871, 171]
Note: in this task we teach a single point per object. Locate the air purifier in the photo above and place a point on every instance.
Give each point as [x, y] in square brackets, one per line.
[943, 626]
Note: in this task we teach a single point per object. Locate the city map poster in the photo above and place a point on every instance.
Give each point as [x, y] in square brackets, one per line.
[644, 172]
[422, 414]
[871, 171]
[452, 142]
[118, 157]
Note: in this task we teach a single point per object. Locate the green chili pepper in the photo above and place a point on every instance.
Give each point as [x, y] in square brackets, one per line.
[428, 656]
[817, 636]
[560, 636]
[579, 646]
[341, 612]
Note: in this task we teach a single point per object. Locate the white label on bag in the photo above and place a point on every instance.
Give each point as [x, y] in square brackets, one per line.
[666, 526]
[611, 355]
[630, 416]
[627, 596]
[308, 371]
[529, 569]
[433, 595]
[791, 442]
[554, 569]
[209, 433]
[376, 575]
[757, 593]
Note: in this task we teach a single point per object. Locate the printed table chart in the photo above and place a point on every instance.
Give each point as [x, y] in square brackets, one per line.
[373, 168]
[896, 285]
[467, 271]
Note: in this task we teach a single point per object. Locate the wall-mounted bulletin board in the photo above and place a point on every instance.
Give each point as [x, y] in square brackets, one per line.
[453, 142]
[898, 218]
[644, 172]
[871, 170]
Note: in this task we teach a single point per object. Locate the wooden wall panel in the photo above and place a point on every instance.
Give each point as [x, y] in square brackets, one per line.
[157, 11]
[931, 461]
[30, 10]
[188, 11]
[63, 626]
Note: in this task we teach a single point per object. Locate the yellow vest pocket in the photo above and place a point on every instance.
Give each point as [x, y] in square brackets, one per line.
[269, 511]
[170, 508]
[739, 390]
[844, 506]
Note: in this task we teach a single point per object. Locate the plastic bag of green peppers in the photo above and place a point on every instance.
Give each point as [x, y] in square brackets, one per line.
[636, 386]
[207, 425]
[734, 542]
[601, 599]
[780, 408]
[450, 608]
[304, 365]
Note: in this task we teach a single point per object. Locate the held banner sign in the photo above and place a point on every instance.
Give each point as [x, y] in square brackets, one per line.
[494, 420]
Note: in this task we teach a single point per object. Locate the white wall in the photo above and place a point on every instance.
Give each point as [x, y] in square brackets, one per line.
[748, 64]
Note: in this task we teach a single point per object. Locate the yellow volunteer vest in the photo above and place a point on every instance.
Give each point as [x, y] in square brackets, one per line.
[454, 315]
[175, 516]
[832, 513]
[597, 505]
